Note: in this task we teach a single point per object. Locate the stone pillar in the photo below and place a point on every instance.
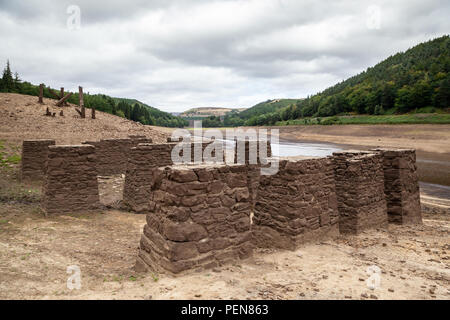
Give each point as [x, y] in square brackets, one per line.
[71, 180]
[139, 179]
[401, 185]
[34, 156]
[359, 180]
[199, 218]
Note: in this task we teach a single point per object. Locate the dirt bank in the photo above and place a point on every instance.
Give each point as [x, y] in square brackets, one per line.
[22, 117]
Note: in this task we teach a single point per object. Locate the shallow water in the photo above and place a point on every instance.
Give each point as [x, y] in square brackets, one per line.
[288, 149]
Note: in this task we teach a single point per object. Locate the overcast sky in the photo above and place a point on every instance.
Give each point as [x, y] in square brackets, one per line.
[175, 55]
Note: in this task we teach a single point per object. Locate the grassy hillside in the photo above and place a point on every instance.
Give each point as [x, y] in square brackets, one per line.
[131, 109]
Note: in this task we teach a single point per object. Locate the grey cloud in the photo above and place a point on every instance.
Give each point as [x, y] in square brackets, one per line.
[179, 54]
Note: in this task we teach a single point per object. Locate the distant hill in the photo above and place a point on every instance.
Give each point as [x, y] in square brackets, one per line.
[248, 116]
[205, 112]
[266, 107]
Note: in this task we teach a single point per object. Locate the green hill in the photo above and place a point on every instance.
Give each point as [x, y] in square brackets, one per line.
[263, 109]
[415, 81]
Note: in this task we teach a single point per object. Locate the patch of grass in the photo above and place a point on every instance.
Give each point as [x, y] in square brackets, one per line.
[414, 118]
[25, 257]
[155, 277]
[132, 278]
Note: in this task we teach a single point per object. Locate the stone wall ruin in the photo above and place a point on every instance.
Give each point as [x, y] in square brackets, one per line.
[203, 215]
[197, 218]
[34, 156]
[70, 183]
[112, 154]
[401, 185]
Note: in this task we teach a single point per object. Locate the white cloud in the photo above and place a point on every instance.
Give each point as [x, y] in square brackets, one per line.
[179, 54]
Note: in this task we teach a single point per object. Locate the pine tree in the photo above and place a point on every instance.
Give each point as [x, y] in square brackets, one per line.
[17, 82]
[7, 79]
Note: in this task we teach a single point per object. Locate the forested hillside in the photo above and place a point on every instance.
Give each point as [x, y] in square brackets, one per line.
[127, 108]
[417, 80]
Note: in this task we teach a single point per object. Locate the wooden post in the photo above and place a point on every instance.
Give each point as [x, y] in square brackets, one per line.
[81, 102]
[61, 101]
[61, 94]
[93, 112]
[54, 93]
[41, 93]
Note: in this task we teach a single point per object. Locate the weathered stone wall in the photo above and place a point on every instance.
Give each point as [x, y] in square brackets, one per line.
[401, 185]
[34, 156]
[296, 205]
[112, 154]
[142, 160]
[70, 183]
[359, 180]
[198, 218]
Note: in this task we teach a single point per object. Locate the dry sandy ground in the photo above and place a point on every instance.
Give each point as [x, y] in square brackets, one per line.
[36, 251]
[22, 117]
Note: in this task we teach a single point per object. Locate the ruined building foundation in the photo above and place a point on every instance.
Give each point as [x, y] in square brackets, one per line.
[203, 215]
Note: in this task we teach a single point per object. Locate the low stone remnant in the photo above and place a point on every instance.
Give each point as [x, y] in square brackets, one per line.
[296, 205]
[198, 218]
[71, 180]
[34, 156]
[112, 154]
[142, 161]
[401, 185]
[359, 180]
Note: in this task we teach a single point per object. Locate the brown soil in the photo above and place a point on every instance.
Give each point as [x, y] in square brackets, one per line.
[36, 252]
[22, 117]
